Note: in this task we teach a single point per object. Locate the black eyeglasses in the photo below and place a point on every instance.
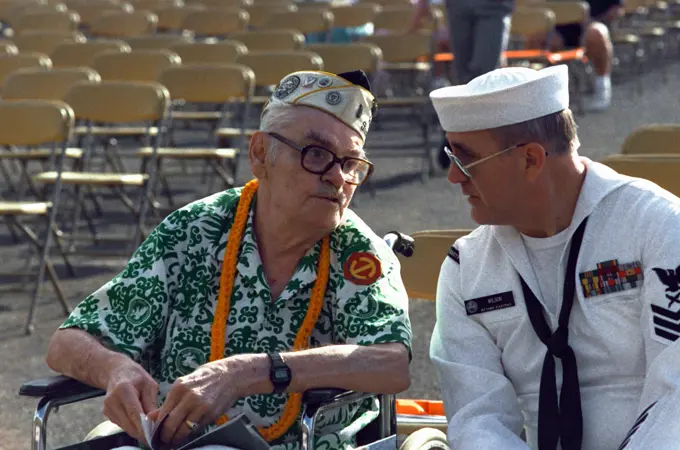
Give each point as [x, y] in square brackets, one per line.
[319, 160]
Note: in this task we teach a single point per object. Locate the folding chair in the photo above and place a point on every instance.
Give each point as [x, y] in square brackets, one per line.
[41, 84]
[270, 40]
[82, 54]
[124, 24]
[149, 5]
[8, 48]
[356, 15]
[420, 272]
[661, 169]
[305, 21]
[338, 58]
[91, 11]
[260, 13]
[653, 139]
[216, 22]
[136, 65]
[223, 3]
[398, 19]
[526, 23]
[214, 52]
[228, 85]
[157, 41]
[37, 123]
[171, 17]
[269, 69]
[12, 12]
[404, 82]
[10, 63]
[45, 41]
[115, 103]
[47, 21]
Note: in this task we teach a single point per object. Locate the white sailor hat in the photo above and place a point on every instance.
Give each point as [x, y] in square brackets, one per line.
[347, 96]
[502, 97]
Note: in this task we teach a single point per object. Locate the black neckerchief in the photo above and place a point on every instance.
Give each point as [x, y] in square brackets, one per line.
[564, 422]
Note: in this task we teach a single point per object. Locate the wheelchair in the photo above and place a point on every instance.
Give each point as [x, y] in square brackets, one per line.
[424, 429]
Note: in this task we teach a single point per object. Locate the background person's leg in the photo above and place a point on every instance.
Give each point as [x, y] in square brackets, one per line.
[491, 35]
[599, 51]
[460, 35]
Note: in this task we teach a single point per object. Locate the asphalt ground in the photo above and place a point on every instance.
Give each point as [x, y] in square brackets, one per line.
[401, 201]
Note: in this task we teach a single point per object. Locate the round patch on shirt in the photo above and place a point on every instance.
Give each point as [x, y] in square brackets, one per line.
[362, 268]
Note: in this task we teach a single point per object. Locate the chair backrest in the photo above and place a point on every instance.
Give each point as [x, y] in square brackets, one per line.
[171, 18]
[157, 41]
[660, 169]
[136, 65]
[420, 272]
[400, 48]
[12, 12]
[45, 41]
[124, 24]
[209, 52]
[47, 21]
[338, 58]
[303, 20]
[225, 3]
[260, 13]
[355, 15]
[149, 5]
[10, 63]
[271, 67]
[529, 21]
[656, 138]
[90, 12]
[219, 83]
[35, 122]
[119, 102]
[270, 40]
[390, 3]
[83, 54]
[8, 48]
[216, 21]
[42, 84]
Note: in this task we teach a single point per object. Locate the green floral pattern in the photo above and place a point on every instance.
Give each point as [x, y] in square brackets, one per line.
[159, 309]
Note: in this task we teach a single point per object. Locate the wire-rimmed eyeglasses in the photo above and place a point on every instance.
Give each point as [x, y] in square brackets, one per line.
[319, 160]
[465, 169]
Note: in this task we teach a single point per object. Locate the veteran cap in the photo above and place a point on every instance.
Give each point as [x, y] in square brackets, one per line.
[502, 97]
[347, 96]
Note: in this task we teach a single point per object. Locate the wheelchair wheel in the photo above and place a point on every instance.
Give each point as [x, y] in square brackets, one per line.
[426, 439]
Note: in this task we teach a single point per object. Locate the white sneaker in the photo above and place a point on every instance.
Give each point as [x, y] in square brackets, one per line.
[602, 96]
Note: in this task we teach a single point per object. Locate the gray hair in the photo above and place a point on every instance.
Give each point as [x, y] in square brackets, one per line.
[277, 116]
[556, 132]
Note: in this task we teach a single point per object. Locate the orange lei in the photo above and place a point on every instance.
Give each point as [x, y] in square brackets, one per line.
[218, 339]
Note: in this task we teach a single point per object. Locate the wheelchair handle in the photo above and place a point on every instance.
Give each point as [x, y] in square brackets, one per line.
[400, 243]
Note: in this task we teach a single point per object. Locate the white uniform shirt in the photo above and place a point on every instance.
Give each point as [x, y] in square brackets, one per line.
[489, 358]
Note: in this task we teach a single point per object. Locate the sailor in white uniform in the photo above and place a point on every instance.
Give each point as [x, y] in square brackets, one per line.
[560, 314]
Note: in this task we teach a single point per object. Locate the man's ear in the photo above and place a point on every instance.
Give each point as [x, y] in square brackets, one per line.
[535, 160]
[257, 155]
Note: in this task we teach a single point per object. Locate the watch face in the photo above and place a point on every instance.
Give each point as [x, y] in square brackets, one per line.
[282, 374]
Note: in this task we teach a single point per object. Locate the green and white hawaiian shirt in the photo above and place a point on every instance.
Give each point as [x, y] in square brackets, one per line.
[159, 309]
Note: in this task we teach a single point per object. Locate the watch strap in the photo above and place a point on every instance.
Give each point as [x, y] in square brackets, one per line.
[279, 373]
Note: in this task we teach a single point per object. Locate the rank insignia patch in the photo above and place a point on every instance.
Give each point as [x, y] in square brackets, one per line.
[611, 276]
[362, 268]
[666, 320]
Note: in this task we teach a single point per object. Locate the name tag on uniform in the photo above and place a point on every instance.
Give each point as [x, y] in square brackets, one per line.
[489, 303]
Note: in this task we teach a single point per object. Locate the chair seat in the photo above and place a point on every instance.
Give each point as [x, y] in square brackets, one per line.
[118, 131]
[196, 115]
[420, 66]
[90, 178]
[24, 208]
[626, 38]
[401, 101]
[233, 132]
[41, 153]
[189, 153]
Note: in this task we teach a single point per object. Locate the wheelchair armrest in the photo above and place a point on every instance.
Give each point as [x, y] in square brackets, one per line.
[322, 396]
[56, 387]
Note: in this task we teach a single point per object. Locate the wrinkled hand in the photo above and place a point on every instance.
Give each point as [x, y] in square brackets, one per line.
[130, 392]
[200, 397]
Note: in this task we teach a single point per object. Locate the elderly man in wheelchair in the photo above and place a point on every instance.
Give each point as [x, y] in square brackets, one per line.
[245, 303]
